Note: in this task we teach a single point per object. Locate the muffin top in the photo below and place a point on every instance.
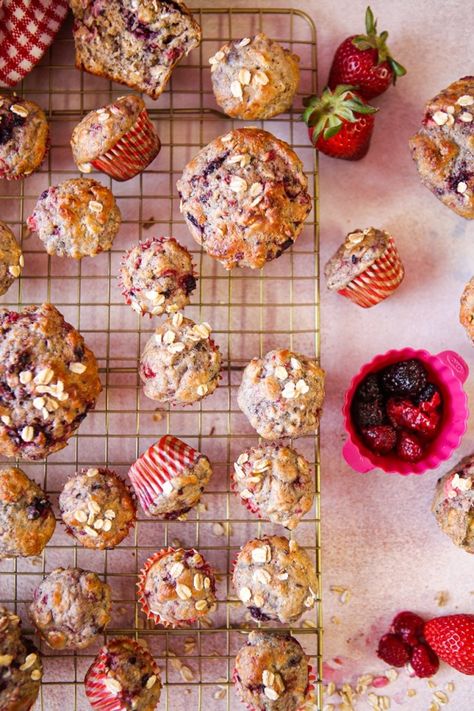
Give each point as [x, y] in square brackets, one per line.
[453, 503]
[11, 258]
[359, 250]
[466, 312]
[20, 669]
[24, 135]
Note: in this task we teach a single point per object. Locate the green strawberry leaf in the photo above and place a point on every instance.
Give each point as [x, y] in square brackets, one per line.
[398, 70]
[332, 131]
[362, 42]
[370, 22]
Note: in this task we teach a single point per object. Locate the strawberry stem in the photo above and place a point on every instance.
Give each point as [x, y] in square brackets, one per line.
[372, 40]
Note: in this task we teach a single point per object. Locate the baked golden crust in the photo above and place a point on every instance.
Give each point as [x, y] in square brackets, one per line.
[466, 312]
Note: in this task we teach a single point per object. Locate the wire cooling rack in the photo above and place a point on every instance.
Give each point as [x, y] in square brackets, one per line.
[250, 311]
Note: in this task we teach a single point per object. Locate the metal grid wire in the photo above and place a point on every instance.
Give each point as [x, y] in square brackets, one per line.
[250, 312]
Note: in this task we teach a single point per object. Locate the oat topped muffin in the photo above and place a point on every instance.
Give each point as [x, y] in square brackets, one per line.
[24, 137]
[466, 313]
[20, 669]
[453, 504]
[11, 258]
[359, 250]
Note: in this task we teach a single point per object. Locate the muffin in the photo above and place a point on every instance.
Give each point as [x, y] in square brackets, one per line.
[97, 508]
[70, 608]
[169, 478]
[78, 218]
[26, 517]
[453, 504]
[20, 669]
[282, 394]
[366, 268]
[275, 579]
[254, 78]
[24, 137]
[124, 676]
[118, 139]
[11, 258]
[275, 482]
[180, 363]
[272, 673]
[134, 43]
[176, 587]
[157, 276]
[49, 380]
[466, 312]
[244, 198]
[443, 148]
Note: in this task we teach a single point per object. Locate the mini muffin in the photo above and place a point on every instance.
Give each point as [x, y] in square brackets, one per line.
[453, 504]
[245, 198]
[49, 381]
[254, 78]
[118, 139]
[24, 137]
[20, 665]
[97, 508]
[275, 579]
[157, 276]
[124, 677]
[366, 268]
[26, 517]
[169, 478]
[274, 481]
[180, 363]
[70, 608]
[11, 258]
[443, 148]
[78, 218]
[272, 673]
[133, 43]
[466, 313]
[282, 394]
[176, 587]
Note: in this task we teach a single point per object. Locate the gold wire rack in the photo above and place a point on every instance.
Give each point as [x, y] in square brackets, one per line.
[250, 312]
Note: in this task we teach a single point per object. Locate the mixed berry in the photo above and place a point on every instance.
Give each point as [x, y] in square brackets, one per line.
[405, 644]
[398, 410]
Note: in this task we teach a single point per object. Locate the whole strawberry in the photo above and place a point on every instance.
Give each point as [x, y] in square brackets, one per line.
[365, 62]
[452, 638]
[340, 123]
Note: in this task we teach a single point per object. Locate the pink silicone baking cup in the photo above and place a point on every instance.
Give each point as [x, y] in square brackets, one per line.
[308, 692]
[448, 371]
[378, 281]
[132, 152]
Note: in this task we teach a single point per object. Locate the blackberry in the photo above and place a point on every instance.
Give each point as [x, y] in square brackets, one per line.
[368, 414]
[369, 389]
[407, 377]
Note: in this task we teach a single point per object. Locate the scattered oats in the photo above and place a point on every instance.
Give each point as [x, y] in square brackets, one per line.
[441, 697]
[281, 372]
[6, 660]
[244, 42]
[44, 376]
[293, 546]
[345, 597]
[245, 594]
[244, 76]
[6, 419]
[237, 184]
[169, 337]
[295, 364]
[309, 602]
[95, 206]
[220, 694]
[176, 347]
[391, 674]
[243, 458]
[261, 465]
[198, 581]
[92, 472]
[329, 707]
[246, 494]
[201, 605]
[113, 685]
[434, 706]
[136, 307]
[466, 117]
[257, 201]
[431, 683]
[236, 89]
[461, 187]
[77, 368]
[465, 100]
[450, 687]
[440, 118]
[271, 694]
[301, 387]
[177, 319]
[14, 271]
[268, 677]
[235, 159]
[85, 167]
[289, 391]
[262, 554]
[283, 576]
[29, 661]
[310, 625]
[151, 682]
[207, 583]
[335, 620]
[202, 389]
[183, 592]
[90, 531]
[206, 622]
[226, 138]
[21, 260]
[98, 524]
[255, 189]
[189, 645]
[27, 434]
[103, 116]
[186, 673]
[36, 675]
[93, 506]
[442, 598]
[19, 110]
[238, 470]
[411, 692]
[262, 575]
[217, 57]
[25, 377]
[110, 514]
[80, 516]
[38, 403]
[260, 78]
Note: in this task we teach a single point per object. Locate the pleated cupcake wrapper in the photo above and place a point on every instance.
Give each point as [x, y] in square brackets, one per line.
[378, 281]
[164, 460]
[97, 693]
[249, 505]
[309, 689]
[132, 152]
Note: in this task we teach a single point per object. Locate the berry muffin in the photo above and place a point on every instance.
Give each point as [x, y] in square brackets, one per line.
[254, 78]
[244, 198]
[118, 139]
[134, 43]
[124, 676]
[272, 673]
[453, 504]
[170, 477]
[443, 148]
[70, 608]
[275, 482]
[282, 394]
[24, 137]
[275, 579]
[20, 665]
[26, 517]
[176, 587]
[180, 363]
[157, 276]
[49, 380]
[97, 508]
[11, 258]
[78, 218]
[466, 312]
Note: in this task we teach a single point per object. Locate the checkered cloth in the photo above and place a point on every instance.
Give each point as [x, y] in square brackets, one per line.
[27, 28]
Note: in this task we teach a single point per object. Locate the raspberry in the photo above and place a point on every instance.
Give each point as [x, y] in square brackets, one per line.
[402, 413]
[424, 661]
[429, 399]
[381, 439]
[407, 377]
[393, 650]
[368, 414]
[409, 626]
[409, 447]
[369, 389]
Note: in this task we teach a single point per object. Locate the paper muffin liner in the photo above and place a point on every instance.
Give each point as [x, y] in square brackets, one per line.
[378, 281]
[132, 152]
[309, 691]
[99, 696]
[154, 469]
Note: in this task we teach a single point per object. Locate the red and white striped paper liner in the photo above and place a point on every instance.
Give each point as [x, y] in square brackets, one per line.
[309, 698]
[167, 458]
[378, 281]
[132, 152]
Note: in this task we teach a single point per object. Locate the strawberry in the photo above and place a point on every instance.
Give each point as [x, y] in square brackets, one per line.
[365, 62]
[409, 626]
[340, 122]
[424, 661]
[380, 439]
[452, 638]
[393, 650]
[409, 447]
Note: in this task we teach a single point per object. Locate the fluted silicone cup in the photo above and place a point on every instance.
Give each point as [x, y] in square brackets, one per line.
[448, 371]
